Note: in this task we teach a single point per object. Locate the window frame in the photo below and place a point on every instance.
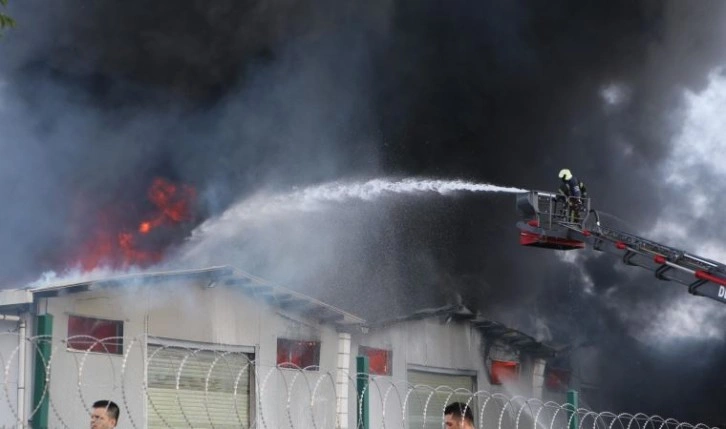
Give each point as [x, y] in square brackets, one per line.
[562, 375]
[317, 344]
[507, 375]
[363, 351]
[99, 345]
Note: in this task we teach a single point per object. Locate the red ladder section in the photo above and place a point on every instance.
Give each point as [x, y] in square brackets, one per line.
[703, 277]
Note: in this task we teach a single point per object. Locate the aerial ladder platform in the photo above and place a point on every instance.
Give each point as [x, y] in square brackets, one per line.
[553, 222]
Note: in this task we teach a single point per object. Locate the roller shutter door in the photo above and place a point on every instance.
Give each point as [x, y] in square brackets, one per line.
[214, 388]
[417, 399]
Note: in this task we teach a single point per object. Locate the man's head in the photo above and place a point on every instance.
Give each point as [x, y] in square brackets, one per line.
[104, 415]
[458, 415]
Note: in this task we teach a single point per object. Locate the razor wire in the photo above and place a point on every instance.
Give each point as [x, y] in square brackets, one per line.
[170, 386]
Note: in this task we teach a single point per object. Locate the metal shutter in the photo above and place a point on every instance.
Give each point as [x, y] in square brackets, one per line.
[434, 410]
[206, 388]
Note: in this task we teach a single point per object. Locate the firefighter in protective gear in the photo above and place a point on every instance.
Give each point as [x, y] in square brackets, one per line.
[571, 191]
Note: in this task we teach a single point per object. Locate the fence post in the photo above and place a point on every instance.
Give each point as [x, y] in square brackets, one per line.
[44, 338]
[363, 370]
[572, 406]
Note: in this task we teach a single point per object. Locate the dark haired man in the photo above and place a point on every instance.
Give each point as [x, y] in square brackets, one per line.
[458, 415]
[104, 415]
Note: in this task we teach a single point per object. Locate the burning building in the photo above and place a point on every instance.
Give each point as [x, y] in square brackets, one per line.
[222, 347]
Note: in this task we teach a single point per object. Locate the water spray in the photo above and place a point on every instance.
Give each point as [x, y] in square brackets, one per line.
[319, 197]
[375, 188]
[264, 206]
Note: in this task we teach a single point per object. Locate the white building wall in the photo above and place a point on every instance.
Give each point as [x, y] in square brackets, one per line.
[8, 373]
[425, 344]
[182, 311]
[428, 343]
[77, 378]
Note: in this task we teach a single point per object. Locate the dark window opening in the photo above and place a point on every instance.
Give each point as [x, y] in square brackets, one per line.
[379, 360]
[95, 335]
[557, 379]
[298, 354]
[503, 371]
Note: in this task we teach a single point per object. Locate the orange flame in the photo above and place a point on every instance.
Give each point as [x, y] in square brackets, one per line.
[172, 204]
[145, 227]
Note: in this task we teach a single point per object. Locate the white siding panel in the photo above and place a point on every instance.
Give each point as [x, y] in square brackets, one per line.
[9, 381]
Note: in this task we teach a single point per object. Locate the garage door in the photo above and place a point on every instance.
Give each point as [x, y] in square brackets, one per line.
[198, 388]
[435, 407]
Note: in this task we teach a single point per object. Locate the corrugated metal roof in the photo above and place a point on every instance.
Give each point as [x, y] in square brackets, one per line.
[449, 312]
[254, 286]
[512, 337]
[64, 287]
[489, 329]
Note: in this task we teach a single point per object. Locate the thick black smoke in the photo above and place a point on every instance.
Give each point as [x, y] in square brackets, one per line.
[97, 98]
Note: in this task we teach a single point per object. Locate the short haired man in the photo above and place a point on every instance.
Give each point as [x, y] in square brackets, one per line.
[104, 415]
[458, 415]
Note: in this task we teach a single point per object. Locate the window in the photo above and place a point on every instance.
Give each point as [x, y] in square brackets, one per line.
[298, 354]
[378, 359]
[96, 335]
[557, 379]
[503, 371]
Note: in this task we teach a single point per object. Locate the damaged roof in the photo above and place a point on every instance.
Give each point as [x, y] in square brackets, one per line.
[18, 300]
[516, 339]
[13, 301]
[489, 329]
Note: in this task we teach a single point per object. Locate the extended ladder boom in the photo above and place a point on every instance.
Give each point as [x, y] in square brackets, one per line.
[550, 223]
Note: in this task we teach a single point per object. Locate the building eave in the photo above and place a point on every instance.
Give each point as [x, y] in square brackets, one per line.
[273, 294]
[516, 339]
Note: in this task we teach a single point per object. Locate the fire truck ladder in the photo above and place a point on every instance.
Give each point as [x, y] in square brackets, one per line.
[704, 277]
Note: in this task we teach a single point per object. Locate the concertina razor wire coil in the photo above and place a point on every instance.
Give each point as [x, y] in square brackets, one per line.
[168, 386]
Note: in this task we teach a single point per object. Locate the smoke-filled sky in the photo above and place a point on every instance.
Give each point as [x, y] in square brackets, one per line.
[243, 99]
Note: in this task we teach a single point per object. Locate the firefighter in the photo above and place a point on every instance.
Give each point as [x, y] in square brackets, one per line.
[571, 191]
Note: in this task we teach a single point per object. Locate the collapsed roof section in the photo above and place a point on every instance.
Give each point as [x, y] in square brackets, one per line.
[492, 330]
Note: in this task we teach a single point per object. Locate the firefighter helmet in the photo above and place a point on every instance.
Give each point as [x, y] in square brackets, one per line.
[565, 174]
